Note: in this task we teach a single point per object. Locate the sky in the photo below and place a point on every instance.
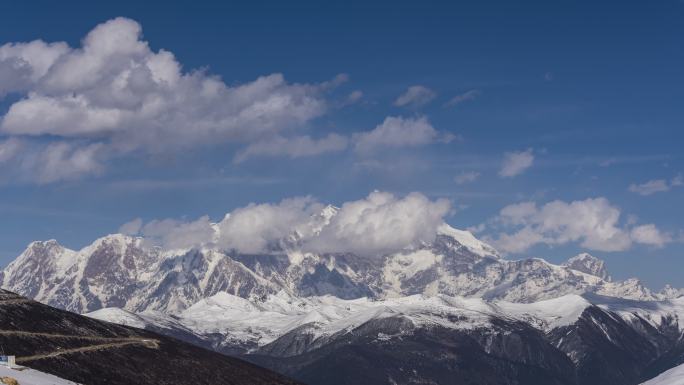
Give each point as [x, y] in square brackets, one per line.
[545, 128]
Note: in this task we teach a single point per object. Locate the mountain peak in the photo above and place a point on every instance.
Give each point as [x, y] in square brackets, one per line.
[670, 292]
[49, 244]
[468, 240]
[587, 263]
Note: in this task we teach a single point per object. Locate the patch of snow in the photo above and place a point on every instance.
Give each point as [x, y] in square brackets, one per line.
[654, 312]
[118, 316]
[27, 376]
[553, 313]
[674, 376]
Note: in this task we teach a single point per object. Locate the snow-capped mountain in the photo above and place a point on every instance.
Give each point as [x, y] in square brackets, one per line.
[299, 306]
[587, 263]
[122, 271]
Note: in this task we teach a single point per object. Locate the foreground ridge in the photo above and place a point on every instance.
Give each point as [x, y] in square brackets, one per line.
[85, 350]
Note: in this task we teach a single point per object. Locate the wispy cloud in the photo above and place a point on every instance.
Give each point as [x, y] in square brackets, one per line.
[515, 163]
[295, 147]
[466, 177]
[129, 185]
[415, 96]
[656, 185]
[464, 97]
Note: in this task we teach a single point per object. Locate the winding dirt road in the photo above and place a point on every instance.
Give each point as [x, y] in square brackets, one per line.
[148, 343]
[107, 343]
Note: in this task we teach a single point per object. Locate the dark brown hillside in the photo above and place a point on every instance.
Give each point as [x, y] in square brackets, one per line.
[93, 352]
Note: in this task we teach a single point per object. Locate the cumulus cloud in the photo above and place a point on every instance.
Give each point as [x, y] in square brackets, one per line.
[295, 147]
[23, 64]
[378, 224]
[176, 234]
[396, 132]
[656, 185]
[464, 97]
[9, 149]
[258, 228]
[594, 223]
[650, 235]
[115, 91]
[466, 177]
[382, 223]
[515, 163]
[415, 96]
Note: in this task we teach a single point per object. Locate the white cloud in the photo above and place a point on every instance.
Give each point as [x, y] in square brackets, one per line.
[175, 234]
[23, 64]
[650, 235]
[378, 224]
[354, 97]
[258, 228]
[393, 132]
[114, 91]
[594, 223]
[677, 180]
[397, 132]
[466, 177]
[656, 185]
[62, 160]
[515, 163]
[295, 147]
[415, 96]
[42, 163]
[131, 228]
[9, 149]
[464, 97]
[381, 223]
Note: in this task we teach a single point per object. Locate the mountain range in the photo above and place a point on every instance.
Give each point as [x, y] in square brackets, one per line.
[449, 311]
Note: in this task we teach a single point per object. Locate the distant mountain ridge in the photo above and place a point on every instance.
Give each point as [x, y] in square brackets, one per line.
[294, 310]
[121, 271]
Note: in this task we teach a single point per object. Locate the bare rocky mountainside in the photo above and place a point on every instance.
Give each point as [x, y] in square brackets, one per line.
[448, 311]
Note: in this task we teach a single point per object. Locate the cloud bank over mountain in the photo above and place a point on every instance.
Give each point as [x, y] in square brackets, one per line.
[375, 225]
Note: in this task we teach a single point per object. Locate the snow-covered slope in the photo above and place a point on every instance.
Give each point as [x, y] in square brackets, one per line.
[656, 313]
[255, 322]
[26, 376]
[674, 376]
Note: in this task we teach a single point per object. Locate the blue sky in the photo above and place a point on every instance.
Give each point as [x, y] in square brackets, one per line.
[513, 106]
